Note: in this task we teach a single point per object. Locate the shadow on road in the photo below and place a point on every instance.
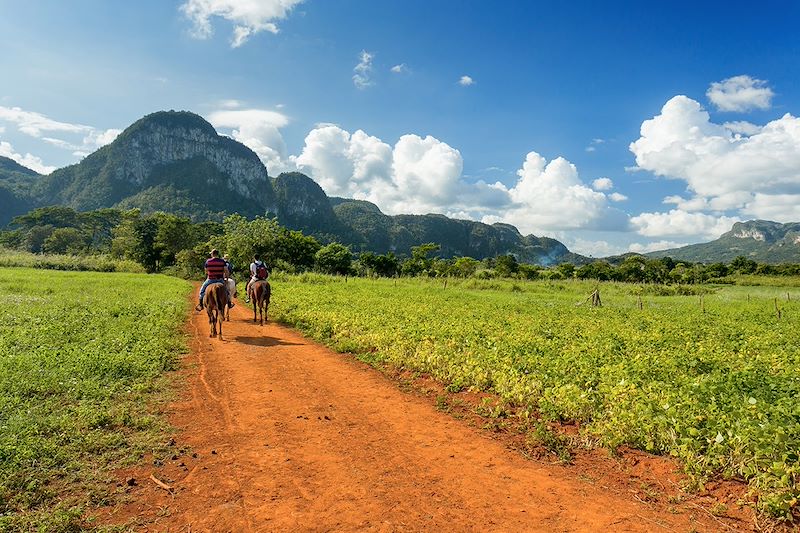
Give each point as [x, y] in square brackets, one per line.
[265, 341]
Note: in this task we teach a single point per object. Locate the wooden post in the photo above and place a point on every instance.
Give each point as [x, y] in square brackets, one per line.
[445, 283]
[777, 309]
[748, 297]
[596, 299]
[702, 304]
[788, 298]
[639, 301]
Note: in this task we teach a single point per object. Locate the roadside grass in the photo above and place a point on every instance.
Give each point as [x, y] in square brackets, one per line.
[96, 263]
[82, 362]
[708, 376]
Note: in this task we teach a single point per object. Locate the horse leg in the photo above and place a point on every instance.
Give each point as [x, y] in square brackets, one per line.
[212, 323]
[221, 319]
[255, 307]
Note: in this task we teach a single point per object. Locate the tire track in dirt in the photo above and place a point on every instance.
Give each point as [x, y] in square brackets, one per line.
[290, 436]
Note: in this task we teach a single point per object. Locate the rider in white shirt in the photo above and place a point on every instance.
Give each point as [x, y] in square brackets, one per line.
[254, 268]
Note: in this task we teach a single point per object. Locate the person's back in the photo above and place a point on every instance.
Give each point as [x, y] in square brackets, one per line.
[216, 272]
[215, 268]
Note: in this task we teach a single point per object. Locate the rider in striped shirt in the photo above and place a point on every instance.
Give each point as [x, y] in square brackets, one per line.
[216, 272]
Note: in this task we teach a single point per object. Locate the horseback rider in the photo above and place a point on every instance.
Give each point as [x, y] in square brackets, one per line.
[231, 283]
[258, 272]
[216, 272]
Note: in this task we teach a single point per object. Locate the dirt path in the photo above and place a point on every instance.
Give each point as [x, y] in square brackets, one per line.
[290, 436]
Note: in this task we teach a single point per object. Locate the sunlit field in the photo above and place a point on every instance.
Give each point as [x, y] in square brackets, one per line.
[706, 374]
[81, 356]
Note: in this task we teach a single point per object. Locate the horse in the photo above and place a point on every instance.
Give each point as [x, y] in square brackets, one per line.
[259, 293]
[231, 283]
[215, 302]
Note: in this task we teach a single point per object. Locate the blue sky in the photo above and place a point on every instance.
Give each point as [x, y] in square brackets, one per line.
[532, 113]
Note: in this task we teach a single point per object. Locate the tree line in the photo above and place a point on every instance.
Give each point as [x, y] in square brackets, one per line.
[168, 243]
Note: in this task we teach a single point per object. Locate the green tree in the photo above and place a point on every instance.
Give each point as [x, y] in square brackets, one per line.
[743, 265]
[599, 270]
[506, 265]
[334, 258]
[65, 241]
[135, 239]
[465, 267]
[567, 270]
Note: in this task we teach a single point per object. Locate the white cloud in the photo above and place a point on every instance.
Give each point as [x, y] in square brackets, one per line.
[617, 197]
[34, 124]
[399, 69]
[643, 248]
[550, 196]
[677, 222]
[603, 184]
[740, 93]
[2, 130]
[418, 175]
[28, 160]
[42, 127]
[248, 16]
[590, 149]
[742, 127]
[363, 70]
[724, 171]
[257, 129]
[591, 247]
[466, 81]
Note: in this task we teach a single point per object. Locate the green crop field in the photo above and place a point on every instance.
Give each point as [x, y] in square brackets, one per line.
[81, 356]
[714, 383]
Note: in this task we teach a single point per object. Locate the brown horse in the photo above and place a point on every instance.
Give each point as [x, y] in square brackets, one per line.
[215, 302]
[259, 293]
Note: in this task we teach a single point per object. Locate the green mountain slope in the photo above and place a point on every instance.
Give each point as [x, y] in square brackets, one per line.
[760, 240]
[172, 161]
[16, 182]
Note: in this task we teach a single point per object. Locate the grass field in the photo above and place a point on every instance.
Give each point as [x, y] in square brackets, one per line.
[81, 359]
[712, 381]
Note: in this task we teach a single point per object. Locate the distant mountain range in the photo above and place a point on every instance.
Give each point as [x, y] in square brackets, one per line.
[175, 161]
[759, 240]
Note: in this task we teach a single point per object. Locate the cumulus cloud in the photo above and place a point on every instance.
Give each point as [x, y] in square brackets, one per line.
[248, 16]
[466, 81]
[617, 197]
[417, 175]
[603, 184]
[643, 248]
[740, 93]
[591, 247]
[724, 170]
[28, 160]
[258, 129]
[742, 127]
[363, 70]
[681, 223]
[399, 69]
[550, 196]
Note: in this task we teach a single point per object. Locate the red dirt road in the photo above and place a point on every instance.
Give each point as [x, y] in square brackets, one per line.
[290, 436]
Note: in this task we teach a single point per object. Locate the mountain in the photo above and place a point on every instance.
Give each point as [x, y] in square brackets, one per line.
[375, 231]
[760, 240]
[167, 161]
[16, 182]
[175, 161]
